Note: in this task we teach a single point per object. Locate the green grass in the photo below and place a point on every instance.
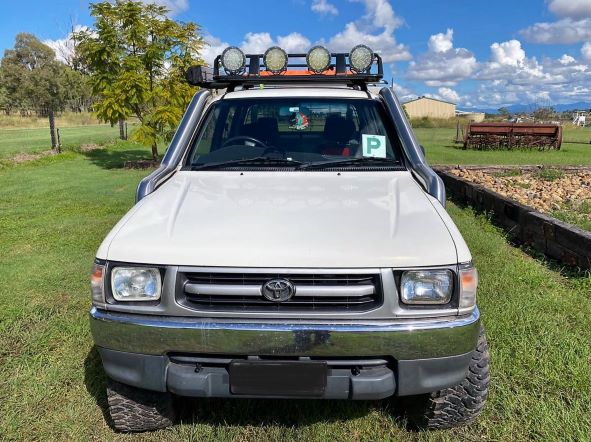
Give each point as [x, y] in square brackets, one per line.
[54, 213]
[578, 214]
[31, 141]
[440, 149]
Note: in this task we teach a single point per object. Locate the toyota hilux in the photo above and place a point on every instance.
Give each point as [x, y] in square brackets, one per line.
[294, 243]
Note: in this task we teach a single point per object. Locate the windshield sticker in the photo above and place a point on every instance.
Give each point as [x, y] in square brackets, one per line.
[299, 121]
[374, 146]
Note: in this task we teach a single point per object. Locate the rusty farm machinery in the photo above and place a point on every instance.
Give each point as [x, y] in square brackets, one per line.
[507, 136]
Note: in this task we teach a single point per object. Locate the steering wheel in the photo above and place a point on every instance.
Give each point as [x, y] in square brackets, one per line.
[245, 138]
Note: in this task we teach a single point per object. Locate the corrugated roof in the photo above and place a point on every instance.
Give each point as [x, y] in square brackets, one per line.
[429, 98]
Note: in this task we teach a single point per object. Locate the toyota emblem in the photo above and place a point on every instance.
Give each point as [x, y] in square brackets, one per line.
[278, 290]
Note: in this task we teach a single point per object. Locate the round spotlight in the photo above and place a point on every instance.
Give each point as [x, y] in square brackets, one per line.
[318, 59]
[233, 60]
[275, 60]
[360, 58]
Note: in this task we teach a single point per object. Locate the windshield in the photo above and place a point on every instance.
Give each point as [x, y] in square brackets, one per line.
[290, 132]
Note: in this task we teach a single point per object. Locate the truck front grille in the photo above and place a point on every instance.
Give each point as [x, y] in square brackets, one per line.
[241, 292]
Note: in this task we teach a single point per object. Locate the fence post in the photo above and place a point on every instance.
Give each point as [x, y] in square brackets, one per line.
[122, 134]
[59, 141]
[51, 116]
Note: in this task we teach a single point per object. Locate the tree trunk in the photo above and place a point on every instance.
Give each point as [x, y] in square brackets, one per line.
[54, 143]
[122, 129]
[154, 151]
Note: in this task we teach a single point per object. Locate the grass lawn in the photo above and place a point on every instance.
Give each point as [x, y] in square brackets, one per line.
[440, 149]
[15, 141]
[54, 212]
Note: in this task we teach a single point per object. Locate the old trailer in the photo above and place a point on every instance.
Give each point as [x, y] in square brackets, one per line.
[507, 136]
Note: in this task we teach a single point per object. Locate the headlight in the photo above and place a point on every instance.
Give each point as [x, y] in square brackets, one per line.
[360, 58]
[275, 60]
[318, 59]
[97, 283]
[233, 60]
[468, 286]
[137, 284]
[426, 286]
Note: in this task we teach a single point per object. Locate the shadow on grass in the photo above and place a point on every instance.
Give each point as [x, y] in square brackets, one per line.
[96, 382]
[245, 412]
[280, 413]
[116, 158]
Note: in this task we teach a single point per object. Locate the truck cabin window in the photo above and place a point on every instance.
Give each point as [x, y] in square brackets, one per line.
[300, 131]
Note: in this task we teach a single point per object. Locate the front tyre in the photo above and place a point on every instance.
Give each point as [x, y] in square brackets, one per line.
[455, 406]
[134, 409]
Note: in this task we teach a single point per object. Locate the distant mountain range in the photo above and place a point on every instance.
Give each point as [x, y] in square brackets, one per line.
[524, 108]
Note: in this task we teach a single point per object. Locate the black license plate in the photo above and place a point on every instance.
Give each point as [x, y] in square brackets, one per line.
[278, 378]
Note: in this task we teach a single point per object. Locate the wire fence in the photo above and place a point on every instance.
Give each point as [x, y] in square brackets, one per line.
[35, 140]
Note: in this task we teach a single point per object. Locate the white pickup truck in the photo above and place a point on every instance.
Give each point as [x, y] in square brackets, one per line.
[293, 244]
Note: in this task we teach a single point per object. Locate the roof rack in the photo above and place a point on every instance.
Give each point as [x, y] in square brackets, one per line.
[255, 73]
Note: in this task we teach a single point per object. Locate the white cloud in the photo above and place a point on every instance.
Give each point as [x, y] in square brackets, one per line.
[255, 43]
[570, 8]
[441, 42]
[573, 26]
[213, 47]
[512, 77]
[383, 43]
[259, 42]
[404, 94]
[509, 63]
[375, 29]
[174, 6]
[442, 65]
[566, 60]
[564, 31]
[501, 92]
[323, 7]
[64, 47]
[509, 76]
[448, 94]
[294, 43]
[379, 14]
[508, 53]
[586, 52]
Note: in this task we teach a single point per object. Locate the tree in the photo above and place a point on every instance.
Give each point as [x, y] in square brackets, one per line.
[78, 90]
[544, 113]
[33, 78]
[504, 112]
[137, 58]
[4, 99]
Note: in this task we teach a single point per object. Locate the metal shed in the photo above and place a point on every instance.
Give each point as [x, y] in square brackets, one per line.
[430, 107]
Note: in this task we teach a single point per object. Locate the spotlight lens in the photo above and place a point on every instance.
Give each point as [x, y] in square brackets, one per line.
[233, 60]
[275, 59]
[361, 58]
[318, 59]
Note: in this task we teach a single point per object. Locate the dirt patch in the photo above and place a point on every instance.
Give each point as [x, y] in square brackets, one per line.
[545, 189]
[90, 147]
[24, 157]
[141, 164]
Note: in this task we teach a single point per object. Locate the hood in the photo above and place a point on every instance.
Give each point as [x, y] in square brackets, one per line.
[284, 219]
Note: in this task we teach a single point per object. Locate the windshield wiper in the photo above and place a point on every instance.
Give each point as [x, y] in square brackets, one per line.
[262, 161]
[365, 161]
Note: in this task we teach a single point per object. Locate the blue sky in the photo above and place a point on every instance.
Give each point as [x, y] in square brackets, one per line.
[477, 53]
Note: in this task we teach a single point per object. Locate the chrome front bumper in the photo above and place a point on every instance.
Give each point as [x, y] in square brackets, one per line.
[404, 339]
